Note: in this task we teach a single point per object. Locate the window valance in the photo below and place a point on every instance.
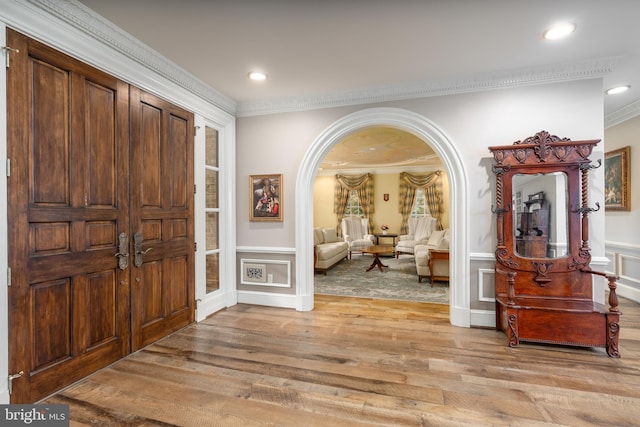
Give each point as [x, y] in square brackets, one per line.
[432, 185]
[363, 184]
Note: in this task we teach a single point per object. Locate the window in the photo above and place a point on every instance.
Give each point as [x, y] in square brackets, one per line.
[420, 206]
[353, 204]
[212, 209]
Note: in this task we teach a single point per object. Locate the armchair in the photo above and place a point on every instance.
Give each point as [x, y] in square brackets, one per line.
[355, 231]
[420, 228]
[432, 259]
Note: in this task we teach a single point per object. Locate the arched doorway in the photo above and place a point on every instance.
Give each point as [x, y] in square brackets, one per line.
[442, 145]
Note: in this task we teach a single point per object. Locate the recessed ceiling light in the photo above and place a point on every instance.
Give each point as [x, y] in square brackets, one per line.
[257, 76]
[616, 90]
[559, 31]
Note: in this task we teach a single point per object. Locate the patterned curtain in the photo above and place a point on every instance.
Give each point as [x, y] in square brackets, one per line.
[432, 186]
[407, 196]
[433, 194]
[363, 184]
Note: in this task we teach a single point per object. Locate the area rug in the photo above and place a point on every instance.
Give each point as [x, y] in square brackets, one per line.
[397, 282]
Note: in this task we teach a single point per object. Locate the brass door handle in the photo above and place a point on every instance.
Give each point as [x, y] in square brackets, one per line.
[13, 377]
[138, 260]
[123, 251]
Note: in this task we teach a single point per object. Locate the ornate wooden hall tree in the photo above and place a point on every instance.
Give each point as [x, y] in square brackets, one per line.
[547, 297]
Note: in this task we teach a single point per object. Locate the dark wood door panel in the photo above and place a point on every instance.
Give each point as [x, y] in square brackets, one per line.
[162, 213]
[178, 166]
[147, 131]
[49, 180]
[93, 160]
[68, 143]
[58, 266]
[75, 331]
[177, 300]
[51, 317]
[71, 316]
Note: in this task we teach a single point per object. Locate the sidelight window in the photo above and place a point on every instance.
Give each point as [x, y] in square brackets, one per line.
[212, 209]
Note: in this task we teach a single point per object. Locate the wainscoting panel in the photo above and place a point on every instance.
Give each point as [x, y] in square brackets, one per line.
[482, 295]
[629, 268]
[486, 285]
[266, 276]
[624, 261]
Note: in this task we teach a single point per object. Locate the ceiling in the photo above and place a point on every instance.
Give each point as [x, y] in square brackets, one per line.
[378, 147]
[330, 49]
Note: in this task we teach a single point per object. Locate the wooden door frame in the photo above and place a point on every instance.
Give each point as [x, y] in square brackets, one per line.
[4, 256]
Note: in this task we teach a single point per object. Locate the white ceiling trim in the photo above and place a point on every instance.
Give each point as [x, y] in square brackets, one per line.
[628, 112]
[89, 22]
[380, 170]
[476, 83]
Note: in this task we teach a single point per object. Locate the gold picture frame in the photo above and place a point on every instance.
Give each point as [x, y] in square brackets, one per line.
[616, 179]
[265, 198]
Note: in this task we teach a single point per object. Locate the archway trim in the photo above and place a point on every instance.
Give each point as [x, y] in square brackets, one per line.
[426, 130]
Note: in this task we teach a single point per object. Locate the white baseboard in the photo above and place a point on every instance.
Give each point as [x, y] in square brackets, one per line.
[483, 318]
[628, 292]
[459, 316]
[267, 298]
[210, 305]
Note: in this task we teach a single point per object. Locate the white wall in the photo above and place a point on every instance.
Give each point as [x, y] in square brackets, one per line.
[618, 223]
[467, 122]
[622, 231]
[277, 143]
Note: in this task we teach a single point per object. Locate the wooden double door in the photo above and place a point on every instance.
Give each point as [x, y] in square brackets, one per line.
[100, 212]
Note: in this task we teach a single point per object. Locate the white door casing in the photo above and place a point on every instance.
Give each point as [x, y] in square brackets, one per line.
[442, 145]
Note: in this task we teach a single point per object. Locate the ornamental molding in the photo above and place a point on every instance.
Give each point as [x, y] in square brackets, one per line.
[463, 84]
[90, 23]
[628, 112]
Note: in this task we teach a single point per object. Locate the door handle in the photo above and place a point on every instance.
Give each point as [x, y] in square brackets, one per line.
[138, 259]
[13, 377]
[123, 251]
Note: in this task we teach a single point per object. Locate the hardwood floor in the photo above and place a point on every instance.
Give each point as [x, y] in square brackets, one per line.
[359, 362]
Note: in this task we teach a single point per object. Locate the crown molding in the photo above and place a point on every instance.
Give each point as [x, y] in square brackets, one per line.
[464, 84]
[379, 170]
[89, 22]
[628, 112]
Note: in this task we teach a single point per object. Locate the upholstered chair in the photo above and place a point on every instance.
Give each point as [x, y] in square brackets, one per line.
[435, 253]
[420, 228]
[355, 231]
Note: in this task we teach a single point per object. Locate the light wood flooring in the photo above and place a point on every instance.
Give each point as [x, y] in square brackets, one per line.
[359, 362]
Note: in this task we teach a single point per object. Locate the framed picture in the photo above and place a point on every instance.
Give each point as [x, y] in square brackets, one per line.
[616, 179]
[265, 197]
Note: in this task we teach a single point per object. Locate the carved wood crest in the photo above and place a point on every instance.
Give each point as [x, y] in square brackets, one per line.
[543, 147]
